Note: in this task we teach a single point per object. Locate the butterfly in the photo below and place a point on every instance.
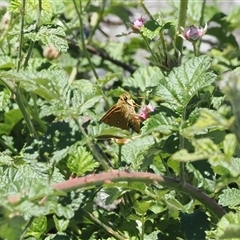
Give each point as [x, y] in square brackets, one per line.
[123, 115]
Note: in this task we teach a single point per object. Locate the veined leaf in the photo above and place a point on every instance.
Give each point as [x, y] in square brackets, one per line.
[160, 123]
[205, 148]
[144, 78]
[229, 226]
[184, 82]
[81, 161]
[49, 84]
[134, 151]
[11, 118]
[208, 119]
[50, 36]
[38, 227]
[230, 197]
[113, 132]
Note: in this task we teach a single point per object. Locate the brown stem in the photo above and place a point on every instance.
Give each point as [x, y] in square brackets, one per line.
[150, 178]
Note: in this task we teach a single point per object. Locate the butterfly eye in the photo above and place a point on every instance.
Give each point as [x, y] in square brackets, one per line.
[125, 98]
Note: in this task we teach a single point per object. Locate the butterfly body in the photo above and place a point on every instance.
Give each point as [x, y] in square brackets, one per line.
[122, 114]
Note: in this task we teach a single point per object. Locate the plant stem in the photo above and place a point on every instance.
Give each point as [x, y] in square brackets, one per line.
[94, 180]
[24, 112]
[16, 89]
[31, 46]
[181, 22]
[120, 155]
[22, 11]
[182, 164]
[195, 48]
[82, 38]
[108, 229]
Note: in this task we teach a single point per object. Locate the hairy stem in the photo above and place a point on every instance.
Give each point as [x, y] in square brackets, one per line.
[181, 22]
[148, 178]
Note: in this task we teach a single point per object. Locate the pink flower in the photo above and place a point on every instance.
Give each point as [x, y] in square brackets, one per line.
[136, 26]
[193, 33]
[144, 114]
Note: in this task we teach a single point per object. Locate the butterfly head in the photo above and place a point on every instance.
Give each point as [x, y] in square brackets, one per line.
[125, 97]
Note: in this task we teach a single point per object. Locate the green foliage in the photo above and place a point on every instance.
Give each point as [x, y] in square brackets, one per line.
[65, 175]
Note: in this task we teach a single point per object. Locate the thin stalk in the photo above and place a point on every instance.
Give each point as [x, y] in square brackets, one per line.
[120, 155]
[201, 23]
[100, 16]
[181, 22]
[95, 149]
[195, 49]
[82, 38]
[108, 229]
[182, 145]
[24, 112]
[143, 227]
[16, 89]
[22, 11]
[31, 46]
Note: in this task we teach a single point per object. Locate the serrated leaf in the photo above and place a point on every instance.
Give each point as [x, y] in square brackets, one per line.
[38, 227]
[229, 226]
[134, 151]
[208, 119]
[160, 123]
[150, 29]
[204, 149]
[142, 207]
[60, 223]
[89, 103]
[49, 84]
[81, 161]
[184, 82]
[144, 78]
[50, 36]
[229, 197]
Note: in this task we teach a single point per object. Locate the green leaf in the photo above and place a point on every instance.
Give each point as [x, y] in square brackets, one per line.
[204, 149]
[159, 122]
[142, 207]
[184, 82]
[81, 161]
[11, 228]
[229, 146]
[144, 77]
[11, 118]
[60, 223]
[208, 119]
[113, 132]
[150, 29]
[229, 226]
[134, 151]
[50, 36]
[229, 197]
[38, 227]
[48, 84]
